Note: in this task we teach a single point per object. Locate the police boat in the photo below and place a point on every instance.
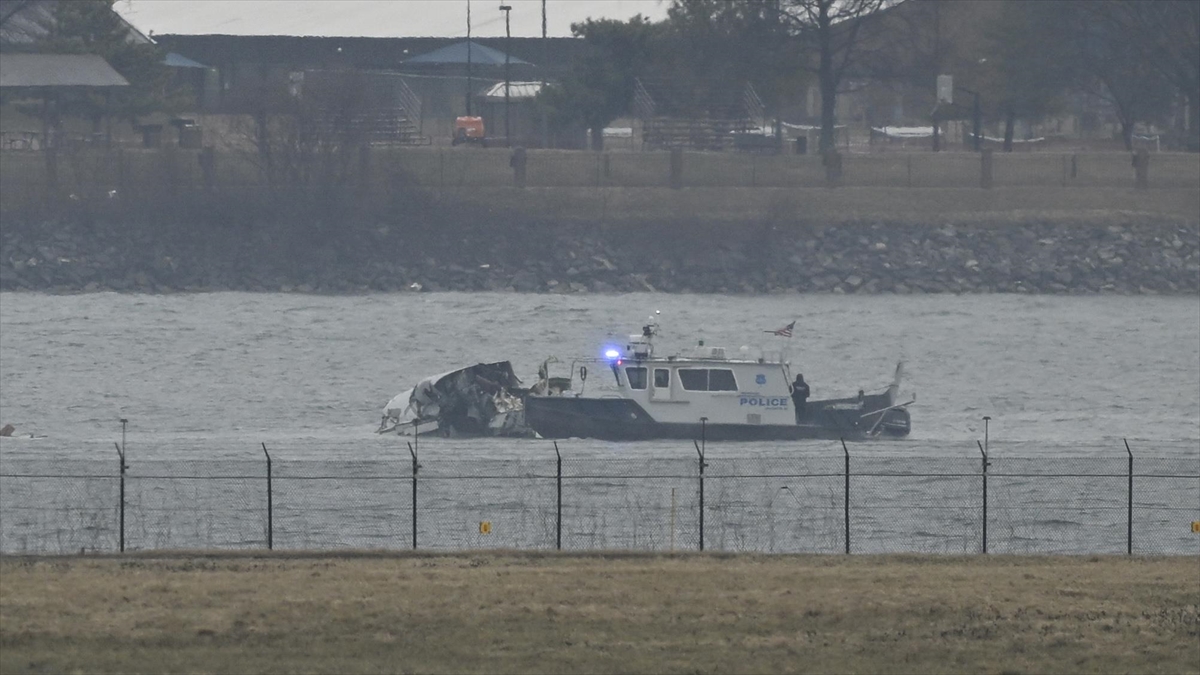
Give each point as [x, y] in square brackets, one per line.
[700, 391]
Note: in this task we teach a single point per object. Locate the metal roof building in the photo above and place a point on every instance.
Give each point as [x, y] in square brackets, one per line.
[58, 70]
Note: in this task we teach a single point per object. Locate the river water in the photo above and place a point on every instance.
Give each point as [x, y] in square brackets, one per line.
[211, 377]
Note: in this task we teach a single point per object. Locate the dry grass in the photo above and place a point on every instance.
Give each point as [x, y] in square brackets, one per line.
[718, 186]
[598, 614]
[1000, 206]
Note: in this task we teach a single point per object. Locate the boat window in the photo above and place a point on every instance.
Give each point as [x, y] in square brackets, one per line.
[662, 378]
[694, 379]
[637, 377]
[721, 380]
[703, 379]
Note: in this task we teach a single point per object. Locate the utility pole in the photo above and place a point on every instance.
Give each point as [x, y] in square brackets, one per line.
[545, 61]
[468, 58]
[507, 43]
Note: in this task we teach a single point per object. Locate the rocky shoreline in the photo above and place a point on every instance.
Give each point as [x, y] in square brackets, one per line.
[1023, 256]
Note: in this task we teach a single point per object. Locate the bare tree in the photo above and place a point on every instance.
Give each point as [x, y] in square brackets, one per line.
[1166, 35]
[1111, 68]
[309, 138]
[831, 29]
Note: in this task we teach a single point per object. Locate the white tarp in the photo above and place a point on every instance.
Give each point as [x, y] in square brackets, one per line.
[904, 132]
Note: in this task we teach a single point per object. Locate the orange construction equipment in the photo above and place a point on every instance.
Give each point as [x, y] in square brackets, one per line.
[469, 130]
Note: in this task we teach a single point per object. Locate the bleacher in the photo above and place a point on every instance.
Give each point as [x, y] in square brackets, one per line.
[709, 116]
[389, 113]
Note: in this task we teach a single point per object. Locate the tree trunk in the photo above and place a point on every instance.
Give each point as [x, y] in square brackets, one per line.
[828, 112]
[1193, 123]
[1127, 134]
[828, 82]
[1010, 121]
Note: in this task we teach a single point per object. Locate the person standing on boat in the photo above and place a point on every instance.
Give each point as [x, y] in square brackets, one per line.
[800, 397]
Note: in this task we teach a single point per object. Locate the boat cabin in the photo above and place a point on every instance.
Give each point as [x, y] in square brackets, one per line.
[702, 382]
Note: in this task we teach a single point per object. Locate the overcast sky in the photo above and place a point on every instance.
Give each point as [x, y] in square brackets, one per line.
[374, 18]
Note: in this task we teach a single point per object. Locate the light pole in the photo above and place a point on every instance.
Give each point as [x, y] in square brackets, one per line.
[545, 60]
[507, 42]
[468, 58]
[986, 419]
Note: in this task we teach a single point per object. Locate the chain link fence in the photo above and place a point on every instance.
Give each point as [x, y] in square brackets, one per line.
[825, 501]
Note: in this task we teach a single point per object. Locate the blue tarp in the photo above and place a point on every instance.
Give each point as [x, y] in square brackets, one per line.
[457, 54]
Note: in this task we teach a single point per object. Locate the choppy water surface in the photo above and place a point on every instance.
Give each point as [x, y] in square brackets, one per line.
[219, 373]
[205, 379]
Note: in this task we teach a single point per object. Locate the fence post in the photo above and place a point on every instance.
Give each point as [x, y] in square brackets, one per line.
[985, 499]
[1141, 164]
[985, 168]
[700, 451]
[122, 175]
[364, 168]
[558, 519]
[676, 168]
[846, 503]
[270, 506]
[518, 162]
[121, 503]
[1129, 504]
[833, 167]
[415, 466]
[208, 162]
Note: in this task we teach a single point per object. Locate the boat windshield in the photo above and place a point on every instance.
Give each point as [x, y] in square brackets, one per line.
[637, 377]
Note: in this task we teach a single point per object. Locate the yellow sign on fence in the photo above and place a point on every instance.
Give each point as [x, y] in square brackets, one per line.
[1196, 526]
[485, 527]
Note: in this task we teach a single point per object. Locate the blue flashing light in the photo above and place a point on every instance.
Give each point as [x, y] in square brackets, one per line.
[612, 354]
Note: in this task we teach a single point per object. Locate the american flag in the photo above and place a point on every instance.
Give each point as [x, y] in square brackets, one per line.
[786, 331]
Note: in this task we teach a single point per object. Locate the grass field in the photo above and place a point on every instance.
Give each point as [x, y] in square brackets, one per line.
[471, 613]
[999, 206]
[717, 186]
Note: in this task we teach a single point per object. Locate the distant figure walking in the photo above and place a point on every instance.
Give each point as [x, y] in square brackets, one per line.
[800, 397]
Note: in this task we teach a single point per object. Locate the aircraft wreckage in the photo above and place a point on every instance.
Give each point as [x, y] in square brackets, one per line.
[684, 395]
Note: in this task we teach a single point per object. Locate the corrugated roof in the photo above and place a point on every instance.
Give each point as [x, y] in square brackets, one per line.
[515, 90]
[457, 53]
[58, 70]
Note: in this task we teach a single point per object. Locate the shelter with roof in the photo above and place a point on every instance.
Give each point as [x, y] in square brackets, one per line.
[454, 80]
[57, 79]
[49, 77]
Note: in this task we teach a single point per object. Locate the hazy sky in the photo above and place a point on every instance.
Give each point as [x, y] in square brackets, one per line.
[374, 18]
